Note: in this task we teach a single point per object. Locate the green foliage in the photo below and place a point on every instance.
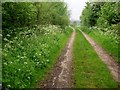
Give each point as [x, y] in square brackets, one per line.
[28, 55]
[109, 14]
[85, 29]
[90, 14]
[96, 7]
[86, 16]
[101, 22]
[101, 14]
[20, 14]
[33, 35]
[17, 16]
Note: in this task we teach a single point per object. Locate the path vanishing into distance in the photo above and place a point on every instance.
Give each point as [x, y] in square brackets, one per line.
[61, 75]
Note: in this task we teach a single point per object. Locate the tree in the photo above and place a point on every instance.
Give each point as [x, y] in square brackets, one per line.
[17, 14]
[28, 14]
[109, 14]
[86, 18]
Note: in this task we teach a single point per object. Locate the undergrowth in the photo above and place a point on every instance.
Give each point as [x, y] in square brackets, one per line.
[27, 57]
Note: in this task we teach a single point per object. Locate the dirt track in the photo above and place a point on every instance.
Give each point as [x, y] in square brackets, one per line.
[61, 76]
[106, 58]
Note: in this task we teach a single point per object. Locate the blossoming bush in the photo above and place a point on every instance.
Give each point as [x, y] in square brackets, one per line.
[29, 53]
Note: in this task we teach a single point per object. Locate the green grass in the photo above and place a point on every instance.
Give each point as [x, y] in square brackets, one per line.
[89, 71]
[27, 58]
[108, 44]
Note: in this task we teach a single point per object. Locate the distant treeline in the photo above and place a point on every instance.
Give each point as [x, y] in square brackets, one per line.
[101, 14]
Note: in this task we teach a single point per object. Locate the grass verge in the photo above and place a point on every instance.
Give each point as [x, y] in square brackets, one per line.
[107, 43]
[89, 71]
[27, 57]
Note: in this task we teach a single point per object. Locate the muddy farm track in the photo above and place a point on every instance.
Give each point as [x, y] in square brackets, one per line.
[61, 76]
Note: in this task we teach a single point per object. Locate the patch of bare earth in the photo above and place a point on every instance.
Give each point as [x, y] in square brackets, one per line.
[106, 58]
[61, 75]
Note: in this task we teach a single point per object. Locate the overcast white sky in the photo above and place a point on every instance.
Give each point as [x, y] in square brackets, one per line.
[76, 7]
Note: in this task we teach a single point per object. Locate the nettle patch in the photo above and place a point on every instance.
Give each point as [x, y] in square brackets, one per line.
[28, 52]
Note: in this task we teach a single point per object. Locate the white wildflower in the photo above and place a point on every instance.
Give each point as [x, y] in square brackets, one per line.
[10, 62]
[19, 69]
[8, 85]
[5, 63]
[25, 62]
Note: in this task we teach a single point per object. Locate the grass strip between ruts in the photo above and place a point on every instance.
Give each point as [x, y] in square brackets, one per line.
[89, 71]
